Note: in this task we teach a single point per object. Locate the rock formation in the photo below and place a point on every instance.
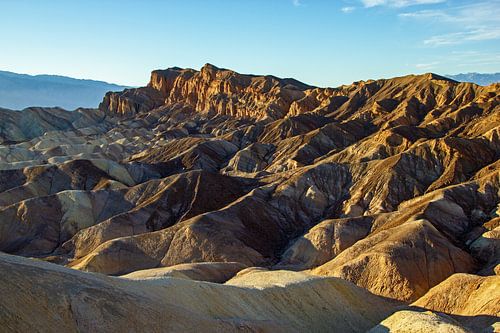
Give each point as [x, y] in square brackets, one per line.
[471, 299]
[73, 301]
[392, 185]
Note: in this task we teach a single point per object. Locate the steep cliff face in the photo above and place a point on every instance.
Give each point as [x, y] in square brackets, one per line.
[131, 101]
[213, 91]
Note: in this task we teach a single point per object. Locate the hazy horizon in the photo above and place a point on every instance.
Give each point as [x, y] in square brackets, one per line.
[322, 43]
[127, 86]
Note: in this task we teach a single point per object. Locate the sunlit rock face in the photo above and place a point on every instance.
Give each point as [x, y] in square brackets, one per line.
[391, 187]
[213, 91]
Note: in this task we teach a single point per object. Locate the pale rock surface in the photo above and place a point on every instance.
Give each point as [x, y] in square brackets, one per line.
[217, 272]
[471, 299]
[418, 322]
[41, 296]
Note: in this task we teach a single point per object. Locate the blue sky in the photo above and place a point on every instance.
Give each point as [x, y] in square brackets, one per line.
[321, 42]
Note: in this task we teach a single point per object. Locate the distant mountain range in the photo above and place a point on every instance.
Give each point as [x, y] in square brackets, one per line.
[477, 78]
[18, 91]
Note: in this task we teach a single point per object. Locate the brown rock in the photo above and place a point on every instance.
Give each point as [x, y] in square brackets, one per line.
[401, 263]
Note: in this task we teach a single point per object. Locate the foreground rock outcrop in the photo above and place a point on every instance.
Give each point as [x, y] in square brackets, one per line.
[419, 322]
[471, 299]
[73, 301]
[392, 185]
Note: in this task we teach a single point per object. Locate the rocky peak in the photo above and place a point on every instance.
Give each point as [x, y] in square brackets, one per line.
[209, 71]
[212, 89]
[433, 76]
[402, 100]
[163, 80]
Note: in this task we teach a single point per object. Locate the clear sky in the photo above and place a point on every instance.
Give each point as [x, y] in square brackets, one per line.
[320, 42]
